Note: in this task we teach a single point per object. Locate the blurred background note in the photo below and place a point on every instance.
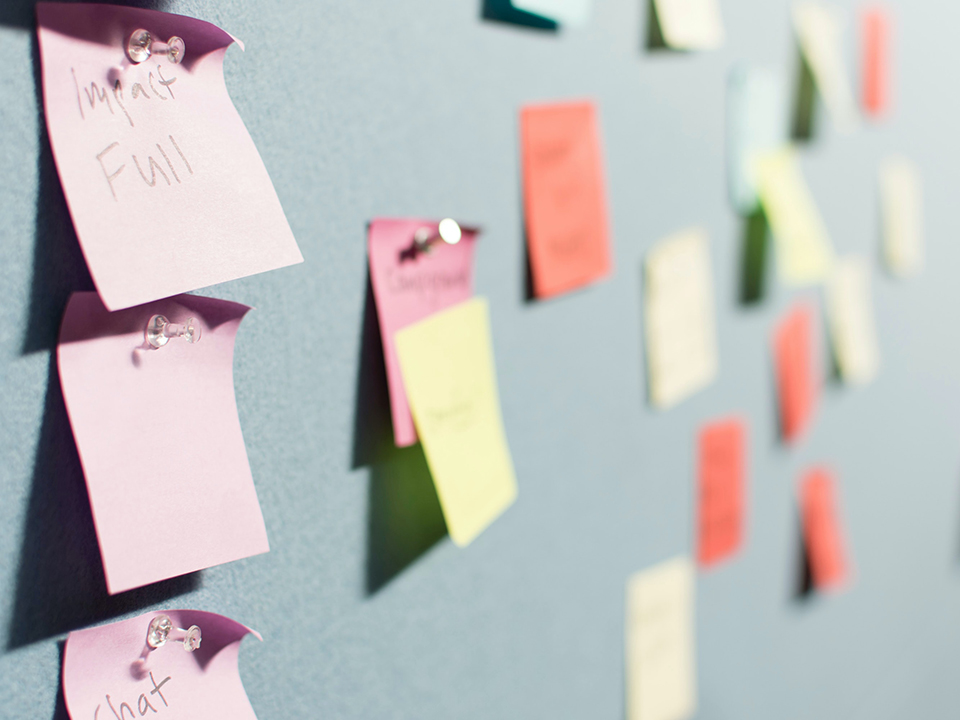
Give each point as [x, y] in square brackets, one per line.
[901, 198]
[803, 248]
[109, 672]
[679, 316]
[822, 532]
[410, 284]
[660, 653]
[166, 189]
[690, 24]
[565, 12]
[159, 438]
[798, 382]
[448, 368]
[721, 479]
[851, 319]
[563, 197]
[876, 61]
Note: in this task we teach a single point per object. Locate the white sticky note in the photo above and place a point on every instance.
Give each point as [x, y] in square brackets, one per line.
[679, 314]
[901, 198]
[660, 645]
[851, 318]
[565, 12]
[756, 123]
[690, 24]
[819, 31]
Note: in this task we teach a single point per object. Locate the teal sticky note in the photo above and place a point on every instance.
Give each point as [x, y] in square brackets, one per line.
[757, 122]
[565, 12]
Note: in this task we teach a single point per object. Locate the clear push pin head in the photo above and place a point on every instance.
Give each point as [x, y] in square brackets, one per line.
[448, 230]
[141, 46]
[161, 629]
[159, 331]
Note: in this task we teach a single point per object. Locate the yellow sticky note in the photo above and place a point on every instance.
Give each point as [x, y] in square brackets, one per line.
[690, 24]
[448, 370]
[902, 206]
[819, 31]
[661, 666]
[850, 314]
[679, 318]
[804, 252]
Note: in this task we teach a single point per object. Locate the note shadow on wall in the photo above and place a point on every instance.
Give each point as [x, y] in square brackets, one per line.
[803, 578]
[753, 269]
[653, 37]
[504, 11]
[404, 517]
[805, 102]
[22, 13]
[60, 582]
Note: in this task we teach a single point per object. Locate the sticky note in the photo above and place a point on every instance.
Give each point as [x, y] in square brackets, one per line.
[660, 662]
[851, 321]
[756, 124]
[901, 198]
[563, 197]
[448, 369]
[159, 438]
[690, 24]
[679, 316]
[822, 535]
[408, 286]
[565, 12]
[804, 251]
[819, 31]
[796, 377]
[107, 673]
[876, 61]
[721, 481]
[165, 187]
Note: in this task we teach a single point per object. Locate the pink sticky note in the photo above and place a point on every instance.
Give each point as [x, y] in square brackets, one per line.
[159, 438]
[166, 189]
[409, 286]
[104, 677]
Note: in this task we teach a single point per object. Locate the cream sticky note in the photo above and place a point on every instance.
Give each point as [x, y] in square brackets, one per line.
[109, 673]
[804, 252]
[679, 318]
[901, 198]
[565, 12]
[448, 369]
[851, 320]
[159, 438]
[661, 656]
[165, 187]
[756, 123]
[819, 31]
[690, 24]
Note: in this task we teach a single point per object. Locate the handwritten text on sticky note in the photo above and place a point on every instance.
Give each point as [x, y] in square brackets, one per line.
[679, 313]
[721, 480]
[564, 199]
[165, 186]
[448, 369]
[661, 666]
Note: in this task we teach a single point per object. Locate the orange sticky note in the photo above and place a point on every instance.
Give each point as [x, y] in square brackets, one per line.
[796, 381]
[876, 59]
[826, 548]
[722, 466]
[563, 197]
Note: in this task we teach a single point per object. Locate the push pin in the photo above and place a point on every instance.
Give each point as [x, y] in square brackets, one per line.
[161, 629]
[448, 230]
[159, 331]
[142, 45]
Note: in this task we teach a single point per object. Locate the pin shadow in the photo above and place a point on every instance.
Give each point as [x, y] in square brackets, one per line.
[504, 11]
[60, 582]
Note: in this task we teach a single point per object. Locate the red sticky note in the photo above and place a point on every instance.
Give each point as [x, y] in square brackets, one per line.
[722, 466]
[876, 61]
[796, 381]
[563, 197]
[826, 549]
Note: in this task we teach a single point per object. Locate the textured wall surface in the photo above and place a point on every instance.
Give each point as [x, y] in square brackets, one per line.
[378, 107]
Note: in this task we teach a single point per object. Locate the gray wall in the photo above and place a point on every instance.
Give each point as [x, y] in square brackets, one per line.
[377, 107]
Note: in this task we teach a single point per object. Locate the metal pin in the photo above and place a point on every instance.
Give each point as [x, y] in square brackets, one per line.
[141, 46]
[448, 230]
[161, 629]
[159, 330]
